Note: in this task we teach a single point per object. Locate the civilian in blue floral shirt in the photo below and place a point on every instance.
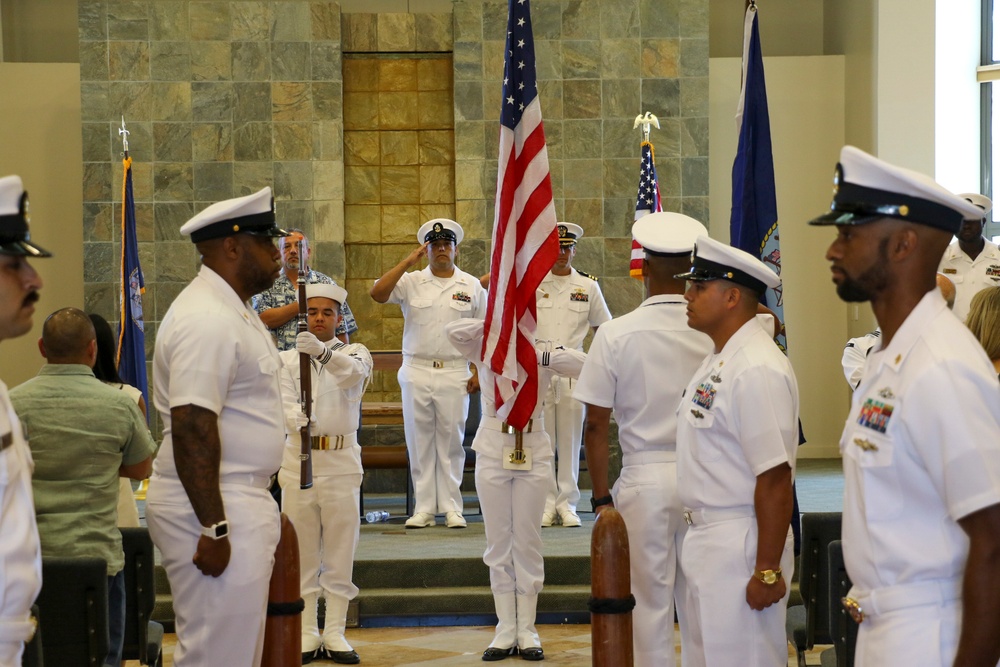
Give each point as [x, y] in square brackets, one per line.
[278, 307]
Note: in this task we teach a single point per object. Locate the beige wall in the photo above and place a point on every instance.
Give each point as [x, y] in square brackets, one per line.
[787, 27]
[806, 104]
[40, 136]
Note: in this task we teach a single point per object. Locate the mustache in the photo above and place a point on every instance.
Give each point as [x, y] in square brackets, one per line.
[31, 298]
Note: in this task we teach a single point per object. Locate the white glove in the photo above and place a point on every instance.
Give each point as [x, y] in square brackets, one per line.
[307, 343]
[301, 421]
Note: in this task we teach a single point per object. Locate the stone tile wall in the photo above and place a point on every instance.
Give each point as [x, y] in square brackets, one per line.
[224, 97]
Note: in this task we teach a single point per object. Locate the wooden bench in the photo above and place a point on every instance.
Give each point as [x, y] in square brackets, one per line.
[387, 457]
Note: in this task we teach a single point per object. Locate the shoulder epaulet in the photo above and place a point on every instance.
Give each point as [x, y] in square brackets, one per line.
[586, 275]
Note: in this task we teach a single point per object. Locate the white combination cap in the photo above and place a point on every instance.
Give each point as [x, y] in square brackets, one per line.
[253, 214]
[440, 228]
[714, 260]
[980, 201]
[15, 238]
[866, 189]
[326, 291]
[569, 233]
[666, 233]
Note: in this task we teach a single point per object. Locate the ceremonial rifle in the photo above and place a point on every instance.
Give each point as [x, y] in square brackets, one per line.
[305, 377]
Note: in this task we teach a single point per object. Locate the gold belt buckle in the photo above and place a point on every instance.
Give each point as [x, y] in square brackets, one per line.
[438, 364]
[320, 442]
[687, 519]
[854, 609]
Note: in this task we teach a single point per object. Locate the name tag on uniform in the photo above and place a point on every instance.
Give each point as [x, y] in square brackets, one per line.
[513, 462]
[949, 271]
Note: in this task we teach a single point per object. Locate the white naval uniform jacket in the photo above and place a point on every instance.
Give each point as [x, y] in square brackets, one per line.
[921, 450]
[428, 303]
[337, 389]
[970, 276]
[568, 307]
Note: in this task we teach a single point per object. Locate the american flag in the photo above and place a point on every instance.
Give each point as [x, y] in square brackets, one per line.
[525, 240]
[646, 201]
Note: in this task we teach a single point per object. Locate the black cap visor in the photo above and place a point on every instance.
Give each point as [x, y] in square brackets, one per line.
[258, 224]
[858, 205]
[443, 235]
[704, 270]
[22, 247]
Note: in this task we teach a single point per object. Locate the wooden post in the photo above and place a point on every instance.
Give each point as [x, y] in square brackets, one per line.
[283, 629]
[610, 582]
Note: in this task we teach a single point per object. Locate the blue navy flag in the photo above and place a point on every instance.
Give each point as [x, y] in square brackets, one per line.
[131, 336]
[753, 225]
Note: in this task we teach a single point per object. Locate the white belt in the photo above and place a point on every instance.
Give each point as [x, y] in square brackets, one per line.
[17, 630]
[654, 456]
[246, 479]
[494, 424]
[333, 442]
[903, 596]
[704, 517]
[436, 363]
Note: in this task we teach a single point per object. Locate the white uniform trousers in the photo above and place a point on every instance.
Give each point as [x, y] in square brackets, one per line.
[512, 502]
[328, 524]
[646, 496]
[718, 560]
[435, 407]
[20, 560]
[564, 424]
[926, 635]
[220, 621]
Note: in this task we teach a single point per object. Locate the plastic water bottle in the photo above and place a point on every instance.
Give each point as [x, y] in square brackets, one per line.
[376, 517]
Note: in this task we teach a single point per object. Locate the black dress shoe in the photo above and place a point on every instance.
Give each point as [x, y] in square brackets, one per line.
[492, 654]
[311, 655]
[532, 653]
[343, 657]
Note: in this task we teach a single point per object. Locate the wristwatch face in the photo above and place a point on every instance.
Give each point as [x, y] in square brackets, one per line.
[221, 530]
[769, 576]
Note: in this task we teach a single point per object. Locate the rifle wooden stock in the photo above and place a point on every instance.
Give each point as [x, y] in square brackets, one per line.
[305, 378]
[611, 633]
[283, 627]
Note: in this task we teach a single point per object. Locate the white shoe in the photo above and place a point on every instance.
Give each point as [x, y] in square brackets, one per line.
[455, 520]
[421, 520]
[548, 519]
[570, 519]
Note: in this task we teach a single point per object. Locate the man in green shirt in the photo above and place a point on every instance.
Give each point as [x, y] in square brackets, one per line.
[83, 435]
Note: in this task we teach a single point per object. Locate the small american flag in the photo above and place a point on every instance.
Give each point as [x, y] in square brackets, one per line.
[525, 240]
[646, 201]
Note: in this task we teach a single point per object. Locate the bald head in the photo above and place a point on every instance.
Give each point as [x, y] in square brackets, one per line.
[68, 338]
[947, 289]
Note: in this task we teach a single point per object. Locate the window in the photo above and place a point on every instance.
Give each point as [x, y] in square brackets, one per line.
[989, 75]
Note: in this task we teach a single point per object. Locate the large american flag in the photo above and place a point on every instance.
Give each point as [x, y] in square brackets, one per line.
[646, 201]
[525, 240]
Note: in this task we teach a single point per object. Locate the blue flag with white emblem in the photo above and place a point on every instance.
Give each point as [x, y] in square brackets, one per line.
[131, 333]
[753, 225]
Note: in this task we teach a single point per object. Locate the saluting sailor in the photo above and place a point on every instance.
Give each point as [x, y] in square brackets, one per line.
[216, 386]
[434, 379]
[737, 432]
[972, 262]
[569, 305]
[20, 550]
[921, 445]
[637, 364]
[327, 516]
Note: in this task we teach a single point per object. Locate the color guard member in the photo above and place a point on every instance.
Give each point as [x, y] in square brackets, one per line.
[327, 516]
[569, 305]
[20, 551]
[921, 446]
[216, 386]
[737, 432]
[434, 379]
[512, 498]
[637, 364]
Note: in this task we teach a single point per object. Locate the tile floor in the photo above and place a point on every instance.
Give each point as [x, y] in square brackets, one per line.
[401, 647]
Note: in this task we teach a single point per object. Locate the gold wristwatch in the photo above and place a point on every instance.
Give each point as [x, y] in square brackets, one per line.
[769, 577]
